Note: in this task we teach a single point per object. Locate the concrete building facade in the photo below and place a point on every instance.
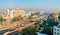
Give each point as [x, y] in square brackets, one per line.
[56, 30]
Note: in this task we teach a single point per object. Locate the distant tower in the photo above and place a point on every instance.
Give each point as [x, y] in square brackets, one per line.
[56, 14]
[8, 13]
[11, 13]
[8, 18]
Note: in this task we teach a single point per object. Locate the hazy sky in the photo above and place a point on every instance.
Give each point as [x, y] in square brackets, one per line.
[55, 4]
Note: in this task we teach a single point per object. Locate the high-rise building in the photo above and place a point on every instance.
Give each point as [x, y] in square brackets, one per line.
[15, 12]
[10, 13]
[18, 12]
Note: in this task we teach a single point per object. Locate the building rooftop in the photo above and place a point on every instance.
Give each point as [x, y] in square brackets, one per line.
[58, 26]
[41, 33]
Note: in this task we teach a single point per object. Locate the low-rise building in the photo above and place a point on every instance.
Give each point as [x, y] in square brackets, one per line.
[56, 30]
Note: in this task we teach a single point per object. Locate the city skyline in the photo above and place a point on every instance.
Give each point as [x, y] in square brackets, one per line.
[47, 4]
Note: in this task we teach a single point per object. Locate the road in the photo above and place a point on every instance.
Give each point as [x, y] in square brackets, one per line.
[8, 30]
[17, 26]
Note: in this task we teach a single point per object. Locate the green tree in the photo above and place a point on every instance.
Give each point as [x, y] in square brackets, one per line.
[59, 17]
[47, 30]
[28, 31]
[30, 17]
[37, 27]
[31, 30]
[50, 21]
[16, 18]
[48, 24]
[2, 20]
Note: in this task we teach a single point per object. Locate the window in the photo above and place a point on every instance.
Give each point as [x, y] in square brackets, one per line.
[57, 29]
[54, 32]
[57, 33]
